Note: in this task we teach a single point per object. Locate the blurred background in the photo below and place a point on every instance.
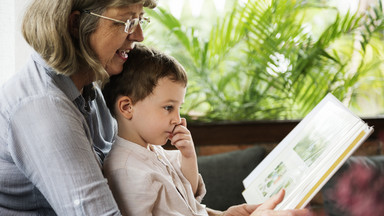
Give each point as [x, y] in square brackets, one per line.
[273, 59]
[256, 59]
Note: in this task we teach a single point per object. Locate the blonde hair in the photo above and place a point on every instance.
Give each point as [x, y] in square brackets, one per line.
[45, 28]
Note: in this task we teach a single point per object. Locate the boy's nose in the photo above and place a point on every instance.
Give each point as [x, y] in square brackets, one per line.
[176, 120]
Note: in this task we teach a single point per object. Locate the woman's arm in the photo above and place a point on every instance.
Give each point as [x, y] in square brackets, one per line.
[53, 148]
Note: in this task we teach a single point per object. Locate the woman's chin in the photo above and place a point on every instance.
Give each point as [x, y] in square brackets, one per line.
[114, 70]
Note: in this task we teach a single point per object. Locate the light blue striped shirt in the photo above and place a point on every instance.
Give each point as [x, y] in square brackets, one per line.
[48, 164]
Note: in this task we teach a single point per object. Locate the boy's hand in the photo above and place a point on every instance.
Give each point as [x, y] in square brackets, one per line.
[182, 139]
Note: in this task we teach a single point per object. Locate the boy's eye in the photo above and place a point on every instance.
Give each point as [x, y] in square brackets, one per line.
[168, 108]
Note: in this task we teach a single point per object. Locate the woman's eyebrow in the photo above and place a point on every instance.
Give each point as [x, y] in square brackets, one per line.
[130, 13]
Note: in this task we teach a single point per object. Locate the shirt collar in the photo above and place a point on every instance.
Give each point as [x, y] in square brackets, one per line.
[153, 152]
[63, 82]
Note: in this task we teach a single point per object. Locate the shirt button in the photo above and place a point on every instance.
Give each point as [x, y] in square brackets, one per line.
[76, 202]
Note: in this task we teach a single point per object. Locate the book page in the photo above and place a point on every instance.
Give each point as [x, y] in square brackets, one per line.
[305, 153]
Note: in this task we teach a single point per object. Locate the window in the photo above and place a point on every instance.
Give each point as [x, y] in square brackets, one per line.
[14, 50]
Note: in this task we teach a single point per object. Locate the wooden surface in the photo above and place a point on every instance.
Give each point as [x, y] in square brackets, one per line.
[232, 133]
[212, 138]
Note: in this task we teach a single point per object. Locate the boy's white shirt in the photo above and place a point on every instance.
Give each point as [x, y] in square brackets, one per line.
[146, 182]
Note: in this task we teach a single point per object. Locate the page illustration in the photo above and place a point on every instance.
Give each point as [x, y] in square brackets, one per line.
[275, 181]
[309, 149]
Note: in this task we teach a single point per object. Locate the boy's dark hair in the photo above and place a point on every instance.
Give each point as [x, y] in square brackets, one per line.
[140, 75]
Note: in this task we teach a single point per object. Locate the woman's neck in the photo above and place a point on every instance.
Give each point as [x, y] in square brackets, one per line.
[81, 79]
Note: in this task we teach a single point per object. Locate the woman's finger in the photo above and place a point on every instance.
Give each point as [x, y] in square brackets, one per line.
[273, 201]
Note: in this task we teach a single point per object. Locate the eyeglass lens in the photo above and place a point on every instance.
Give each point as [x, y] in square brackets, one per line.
[131, 25]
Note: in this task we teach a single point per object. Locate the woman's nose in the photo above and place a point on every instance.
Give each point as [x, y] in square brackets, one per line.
[137, 35]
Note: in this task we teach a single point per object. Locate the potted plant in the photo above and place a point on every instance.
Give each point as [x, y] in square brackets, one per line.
[265, 61]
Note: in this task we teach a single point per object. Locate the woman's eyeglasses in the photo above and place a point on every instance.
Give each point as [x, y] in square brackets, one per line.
[130, 25]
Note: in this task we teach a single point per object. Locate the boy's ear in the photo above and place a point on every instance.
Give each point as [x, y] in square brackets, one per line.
[125, 107]
[73, 24]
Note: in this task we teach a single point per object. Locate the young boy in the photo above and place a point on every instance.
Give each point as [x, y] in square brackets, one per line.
[146, 179]
[145, 99]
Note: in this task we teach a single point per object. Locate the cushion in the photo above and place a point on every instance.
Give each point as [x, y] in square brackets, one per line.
[223, 175]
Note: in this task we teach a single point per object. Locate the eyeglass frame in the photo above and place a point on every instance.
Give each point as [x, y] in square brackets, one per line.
[130, 26]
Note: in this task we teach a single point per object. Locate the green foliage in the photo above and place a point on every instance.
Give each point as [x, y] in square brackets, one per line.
[261, 61]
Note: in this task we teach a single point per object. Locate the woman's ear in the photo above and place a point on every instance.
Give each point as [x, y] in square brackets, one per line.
[74, 23]
[125, 107]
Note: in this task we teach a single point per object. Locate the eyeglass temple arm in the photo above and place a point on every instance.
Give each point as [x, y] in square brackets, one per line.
[108, 18]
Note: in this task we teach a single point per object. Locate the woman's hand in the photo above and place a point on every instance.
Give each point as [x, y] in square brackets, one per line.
[265, 209]
[240, 210]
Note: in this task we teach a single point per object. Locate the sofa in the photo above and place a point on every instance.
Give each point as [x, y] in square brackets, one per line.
[223, 174]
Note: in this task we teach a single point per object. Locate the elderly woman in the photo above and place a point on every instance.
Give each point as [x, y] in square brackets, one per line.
[55, 128]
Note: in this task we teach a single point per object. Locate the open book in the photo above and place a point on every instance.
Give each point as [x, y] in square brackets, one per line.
[308, 156]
